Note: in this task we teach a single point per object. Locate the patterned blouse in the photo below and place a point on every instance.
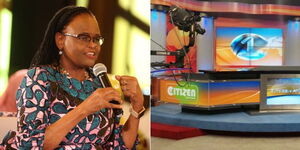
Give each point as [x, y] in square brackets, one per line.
[45, 95]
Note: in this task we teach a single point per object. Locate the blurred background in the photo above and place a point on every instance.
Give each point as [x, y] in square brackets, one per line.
[123, 23]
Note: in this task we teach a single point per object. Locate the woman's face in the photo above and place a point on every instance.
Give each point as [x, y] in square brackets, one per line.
[80, 42]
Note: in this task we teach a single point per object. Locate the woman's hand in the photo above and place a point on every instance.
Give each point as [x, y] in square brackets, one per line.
[101, 98]
[131, 89]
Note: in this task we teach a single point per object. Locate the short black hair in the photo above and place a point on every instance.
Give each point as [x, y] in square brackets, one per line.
[47, 53]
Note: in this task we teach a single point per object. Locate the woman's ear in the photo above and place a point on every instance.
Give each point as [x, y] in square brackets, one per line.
[59, 40]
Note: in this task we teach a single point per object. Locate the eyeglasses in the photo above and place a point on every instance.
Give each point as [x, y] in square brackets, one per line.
[86, 38]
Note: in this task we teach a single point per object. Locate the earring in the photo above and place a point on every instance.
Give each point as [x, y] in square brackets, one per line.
[60, 53]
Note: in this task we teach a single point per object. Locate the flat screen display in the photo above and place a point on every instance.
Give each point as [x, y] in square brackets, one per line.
[248, 47]
[280, 91]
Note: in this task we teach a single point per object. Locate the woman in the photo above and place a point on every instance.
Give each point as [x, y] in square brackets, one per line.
[61, 103]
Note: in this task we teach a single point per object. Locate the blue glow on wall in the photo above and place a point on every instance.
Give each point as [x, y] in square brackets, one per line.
[154, 15]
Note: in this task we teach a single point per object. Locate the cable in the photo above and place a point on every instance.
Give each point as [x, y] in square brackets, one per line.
[185, 53]
[169, 69]
[184, 48]
[159, 45]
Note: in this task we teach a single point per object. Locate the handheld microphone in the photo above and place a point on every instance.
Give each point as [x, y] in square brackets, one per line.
[100, 71]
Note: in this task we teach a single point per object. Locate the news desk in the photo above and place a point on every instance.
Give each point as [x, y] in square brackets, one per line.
[210, 90]
[207, 94]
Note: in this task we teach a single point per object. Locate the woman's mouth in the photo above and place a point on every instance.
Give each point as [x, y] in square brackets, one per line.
[91, 55]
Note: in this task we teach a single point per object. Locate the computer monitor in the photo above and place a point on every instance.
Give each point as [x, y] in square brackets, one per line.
[280, 92]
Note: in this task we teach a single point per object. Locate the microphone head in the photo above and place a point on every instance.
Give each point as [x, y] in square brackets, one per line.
[99, 68]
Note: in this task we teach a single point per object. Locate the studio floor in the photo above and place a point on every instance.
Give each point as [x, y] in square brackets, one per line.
[228, 142]
[268, 132]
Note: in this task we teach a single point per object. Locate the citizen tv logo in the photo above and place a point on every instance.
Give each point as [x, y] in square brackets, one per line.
[183, 93]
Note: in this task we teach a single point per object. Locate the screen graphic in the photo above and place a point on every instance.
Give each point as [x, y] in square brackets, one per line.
[248, 47]
[283, 91]
[280, 92]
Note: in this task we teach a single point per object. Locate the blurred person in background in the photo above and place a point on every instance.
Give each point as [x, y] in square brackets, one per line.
[8, 98]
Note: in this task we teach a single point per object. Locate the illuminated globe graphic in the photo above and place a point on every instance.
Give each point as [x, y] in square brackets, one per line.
[247, 46]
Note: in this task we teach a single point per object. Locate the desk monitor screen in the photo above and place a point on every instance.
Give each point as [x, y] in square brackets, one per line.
[280, 92]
